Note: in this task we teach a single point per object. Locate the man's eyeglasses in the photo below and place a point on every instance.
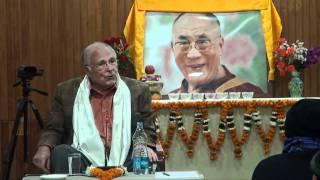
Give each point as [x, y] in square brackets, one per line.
[200, 45]
[103, 64]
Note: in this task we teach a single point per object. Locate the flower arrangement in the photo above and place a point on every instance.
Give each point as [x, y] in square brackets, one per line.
[294, 57]
[121, 48]
[107, 174]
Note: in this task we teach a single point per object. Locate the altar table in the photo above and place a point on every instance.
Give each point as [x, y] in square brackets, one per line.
[226, 166]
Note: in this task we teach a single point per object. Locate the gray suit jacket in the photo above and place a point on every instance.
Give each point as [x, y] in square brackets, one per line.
[59, 128]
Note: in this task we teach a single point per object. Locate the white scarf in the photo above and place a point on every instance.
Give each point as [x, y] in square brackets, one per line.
[86, 137]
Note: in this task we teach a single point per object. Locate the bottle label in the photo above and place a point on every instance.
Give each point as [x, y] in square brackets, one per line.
[144, 163]
[137, 163]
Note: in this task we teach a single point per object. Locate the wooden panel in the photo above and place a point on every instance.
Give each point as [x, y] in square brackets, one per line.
[1, 147]
[307, 38]
[281, 5]
[313, 74]
[3, 78]
[51, 35]
[3, 64]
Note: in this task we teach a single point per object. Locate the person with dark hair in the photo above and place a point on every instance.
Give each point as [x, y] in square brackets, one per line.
[94, 115]
[302, 129]
[197, 44]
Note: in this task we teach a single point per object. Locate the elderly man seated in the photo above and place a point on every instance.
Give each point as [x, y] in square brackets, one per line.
[94, 115]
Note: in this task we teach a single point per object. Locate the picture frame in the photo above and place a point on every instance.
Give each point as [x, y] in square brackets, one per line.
[135, 29]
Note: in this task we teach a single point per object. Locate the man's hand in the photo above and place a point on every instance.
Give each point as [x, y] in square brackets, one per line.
[152, 155]
[42, 158]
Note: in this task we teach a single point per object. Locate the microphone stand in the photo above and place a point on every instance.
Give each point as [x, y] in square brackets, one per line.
[106, 155]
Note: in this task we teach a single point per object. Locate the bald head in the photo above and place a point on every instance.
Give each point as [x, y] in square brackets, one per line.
[101, 65]
[90, 49]
[204, 16]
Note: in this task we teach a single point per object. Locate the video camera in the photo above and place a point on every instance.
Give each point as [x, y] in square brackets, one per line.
[28, 72]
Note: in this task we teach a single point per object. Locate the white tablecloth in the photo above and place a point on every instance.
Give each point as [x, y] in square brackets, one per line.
[195, 175]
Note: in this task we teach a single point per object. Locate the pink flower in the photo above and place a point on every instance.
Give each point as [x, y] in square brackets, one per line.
[282, 73]
[281, 64]
[290, 50]
[235, 55]
[282, 53]
[291, 68]
[282, 40]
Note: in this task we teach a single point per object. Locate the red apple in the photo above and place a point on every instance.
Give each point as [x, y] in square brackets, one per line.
[149, 69]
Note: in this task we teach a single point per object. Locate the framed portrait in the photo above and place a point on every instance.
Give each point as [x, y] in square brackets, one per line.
[248, 32]
[243, 51]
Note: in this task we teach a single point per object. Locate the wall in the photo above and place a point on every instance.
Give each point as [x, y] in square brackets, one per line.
[50, 34]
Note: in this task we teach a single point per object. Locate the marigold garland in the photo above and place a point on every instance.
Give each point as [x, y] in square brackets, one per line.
[214, 148]
[170, 133]
[105, 174]
[196, 127]
[257, 121]
[189, 142]
[275, 120]
[159, 104]
[183, 133]
[233, 131]
[201, 118]
[280, 120]
[247, 123]
[265, 136]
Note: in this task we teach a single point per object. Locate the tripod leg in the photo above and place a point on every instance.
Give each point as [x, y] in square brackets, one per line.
[36, 113]
[25, 131]
[7, 162]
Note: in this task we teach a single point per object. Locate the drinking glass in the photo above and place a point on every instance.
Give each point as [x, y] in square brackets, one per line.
[74, 163]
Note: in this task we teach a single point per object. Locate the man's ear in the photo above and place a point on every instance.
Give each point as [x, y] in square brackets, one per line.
[221, 42]
[87, 69]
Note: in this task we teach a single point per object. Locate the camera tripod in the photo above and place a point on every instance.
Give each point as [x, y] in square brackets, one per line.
[22, 111]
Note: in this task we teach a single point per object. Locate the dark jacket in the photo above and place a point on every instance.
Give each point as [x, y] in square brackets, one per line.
[289, 166]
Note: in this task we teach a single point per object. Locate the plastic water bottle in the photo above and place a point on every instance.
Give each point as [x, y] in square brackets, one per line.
[139, 154]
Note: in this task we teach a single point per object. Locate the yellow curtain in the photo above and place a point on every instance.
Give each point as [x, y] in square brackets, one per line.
[134, 28]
